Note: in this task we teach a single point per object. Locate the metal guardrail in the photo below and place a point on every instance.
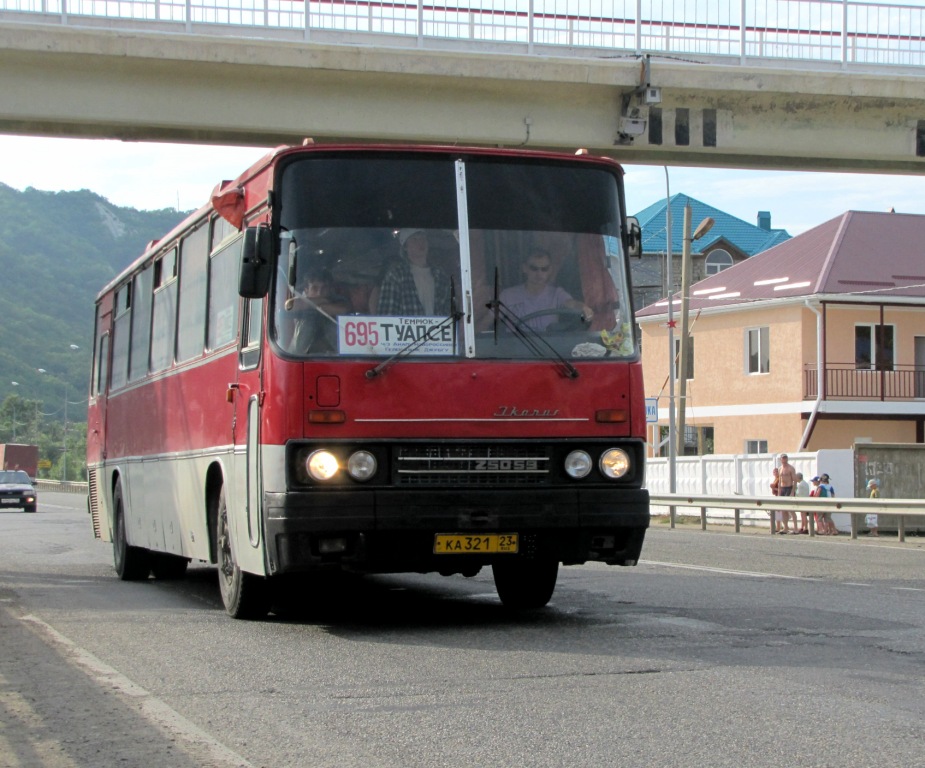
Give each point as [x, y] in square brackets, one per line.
[58, 486]
[843, 33]
[856, 508]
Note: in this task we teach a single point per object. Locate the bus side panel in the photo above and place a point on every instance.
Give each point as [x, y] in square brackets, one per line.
[248, 558]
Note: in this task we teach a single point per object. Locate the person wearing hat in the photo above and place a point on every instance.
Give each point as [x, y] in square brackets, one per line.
[873, 488]
[412, 287]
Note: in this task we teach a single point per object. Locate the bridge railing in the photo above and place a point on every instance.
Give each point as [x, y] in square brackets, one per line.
[847, 33]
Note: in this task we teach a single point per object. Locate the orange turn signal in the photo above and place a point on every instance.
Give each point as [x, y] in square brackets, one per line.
[327, 417]
[611, 416]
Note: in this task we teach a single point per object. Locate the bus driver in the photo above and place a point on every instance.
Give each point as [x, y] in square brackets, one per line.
[537, 294]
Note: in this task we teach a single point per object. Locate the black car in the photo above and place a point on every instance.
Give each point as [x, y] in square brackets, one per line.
[16, 490]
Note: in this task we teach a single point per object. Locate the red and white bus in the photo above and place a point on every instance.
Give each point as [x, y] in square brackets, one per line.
[376, 359]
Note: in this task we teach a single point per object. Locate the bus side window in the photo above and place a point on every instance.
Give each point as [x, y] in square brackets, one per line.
[191, 313]
[101, 369]
[251, 333]
[120, 336]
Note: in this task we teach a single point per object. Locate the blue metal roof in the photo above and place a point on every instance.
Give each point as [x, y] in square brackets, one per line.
[748, 238]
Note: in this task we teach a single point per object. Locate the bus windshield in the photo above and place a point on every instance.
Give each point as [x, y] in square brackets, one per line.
[424, 256]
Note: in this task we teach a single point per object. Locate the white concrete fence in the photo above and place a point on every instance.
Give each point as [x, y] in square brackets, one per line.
[735, 490]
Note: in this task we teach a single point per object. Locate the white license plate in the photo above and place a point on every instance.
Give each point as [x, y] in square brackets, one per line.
[10, 501]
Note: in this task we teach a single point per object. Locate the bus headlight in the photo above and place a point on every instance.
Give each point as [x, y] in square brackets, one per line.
[361, 466]
[321, 465]
[578, 464]
[614, 463]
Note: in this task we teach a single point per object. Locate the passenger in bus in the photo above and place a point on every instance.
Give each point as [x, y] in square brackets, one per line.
[312, 313]
[538, 296]
[412, 287]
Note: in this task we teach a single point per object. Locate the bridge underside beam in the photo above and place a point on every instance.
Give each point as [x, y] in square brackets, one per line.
[135, 86]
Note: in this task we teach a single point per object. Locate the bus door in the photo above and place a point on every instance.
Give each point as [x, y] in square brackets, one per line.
[247, 411]
[96, 412]
[96, 425]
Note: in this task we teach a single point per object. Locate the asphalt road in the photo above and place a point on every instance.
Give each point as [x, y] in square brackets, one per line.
[717, 650]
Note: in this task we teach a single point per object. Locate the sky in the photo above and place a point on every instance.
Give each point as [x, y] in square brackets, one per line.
[151, 176]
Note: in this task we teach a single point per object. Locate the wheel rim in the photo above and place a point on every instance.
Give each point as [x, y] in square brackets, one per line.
[225, 560]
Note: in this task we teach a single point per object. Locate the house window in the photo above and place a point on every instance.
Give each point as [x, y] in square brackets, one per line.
[873, 347]
[757, 350]
[717, 260]
[690, 356]
[756, 446]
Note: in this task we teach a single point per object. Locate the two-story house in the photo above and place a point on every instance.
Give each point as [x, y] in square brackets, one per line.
[815, 343]
[730, 241]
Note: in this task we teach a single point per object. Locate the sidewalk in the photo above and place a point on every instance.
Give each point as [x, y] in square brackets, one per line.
[754, 528]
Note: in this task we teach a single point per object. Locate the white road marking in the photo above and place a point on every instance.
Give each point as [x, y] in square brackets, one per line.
[728, 572]
[158, 712]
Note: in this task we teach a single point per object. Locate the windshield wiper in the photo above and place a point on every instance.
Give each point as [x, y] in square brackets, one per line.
[449, 320]
[529, 336]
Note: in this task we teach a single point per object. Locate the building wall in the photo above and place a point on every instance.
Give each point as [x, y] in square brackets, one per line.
[738, 406]
[741, 407]
[842, 433]
[909, 322]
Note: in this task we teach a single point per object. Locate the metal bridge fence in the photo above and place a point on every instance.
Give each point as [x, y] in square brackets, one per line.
[844, 34]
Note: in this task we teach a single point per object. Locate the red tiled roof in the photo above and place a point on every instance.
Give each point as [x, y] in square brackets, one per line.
[877, 256]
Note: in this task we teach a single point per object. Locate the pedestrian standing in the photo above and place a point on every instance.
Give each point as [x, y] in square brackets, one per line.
[776, 516]
[873, 488]
[788, 478]
[801, 490]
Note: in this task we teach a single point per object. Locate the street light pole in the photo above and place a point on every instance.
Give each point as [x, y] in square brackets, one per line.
[73, 348]
[672, 458]
[702, 228]
[13, 403]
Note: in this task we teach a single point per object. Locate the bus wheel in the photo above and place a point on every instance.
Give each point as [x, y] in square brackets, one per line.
[525, 584]
[244, 595]
[131, 563]
[168, 567]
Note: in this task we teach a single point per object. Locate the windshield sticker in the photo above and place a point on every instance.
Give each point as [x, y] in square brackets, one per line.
[384, 336]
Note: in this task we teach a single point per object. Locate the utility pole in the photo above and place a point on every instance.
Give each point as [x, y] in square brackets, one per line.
[702, 229]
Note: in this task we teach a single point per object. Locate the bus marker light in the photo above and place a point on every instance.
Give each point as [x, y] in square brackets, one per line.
[611, 416]
[327, 417]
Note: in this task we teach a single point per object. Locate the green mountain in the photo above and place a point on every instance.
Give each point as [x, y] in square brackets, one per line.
[57, 250]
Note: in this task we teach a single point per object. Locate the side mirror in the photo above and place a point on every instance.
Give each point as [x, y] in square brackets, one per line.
[633, 237]
[254, 277]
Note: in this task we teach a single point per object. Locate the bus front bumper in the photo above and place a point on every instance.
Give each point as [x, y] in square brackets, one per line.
[394, 531]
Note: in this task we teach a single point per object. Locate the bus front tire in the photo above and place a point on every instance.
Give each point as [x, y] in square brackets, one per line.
[245, 595]
[525, 584]
[131, 563]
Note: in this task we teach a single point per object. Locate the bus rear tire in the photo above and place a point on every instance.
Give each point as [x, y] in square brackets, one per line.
[244, 595]
[525, 584]
[131, 563]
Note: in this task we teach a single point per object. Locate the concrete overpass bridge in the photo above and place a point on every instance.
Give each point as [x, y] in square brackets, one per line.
[803, 84]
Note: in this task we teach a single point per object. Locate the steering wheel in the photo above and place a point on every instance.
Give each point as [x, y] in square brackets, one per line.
[567, 319]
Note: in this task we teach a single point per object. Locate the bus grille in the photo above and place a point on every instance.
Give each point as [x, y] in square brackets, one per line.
[471, 465]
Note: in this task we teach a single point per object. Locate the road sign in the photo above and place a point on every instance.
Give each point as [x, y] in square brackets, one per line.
[44, 464]
[651, 410]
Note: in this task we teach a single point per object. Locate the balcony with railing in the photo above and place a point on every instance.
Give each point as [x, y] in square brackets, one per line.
[845, 381]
